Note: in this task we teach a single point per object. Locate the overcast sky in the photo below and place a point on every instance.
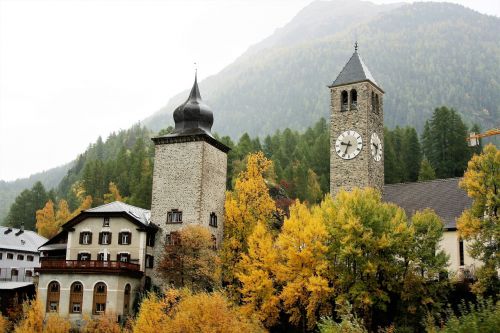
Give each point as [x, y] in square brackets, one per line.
[73, 70]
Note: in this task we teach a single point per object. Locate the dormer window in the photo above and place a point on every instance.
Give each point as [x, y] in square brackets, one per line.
[354, 99]
[106, 222]
[85, 237]
[105, 238]
[344, 101]
[174, 216]
[213, 220]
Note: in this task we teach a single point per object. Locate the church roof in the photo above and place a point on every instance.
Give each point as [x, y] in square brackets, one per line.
[354, 71]
[444, 196]
[193, 116]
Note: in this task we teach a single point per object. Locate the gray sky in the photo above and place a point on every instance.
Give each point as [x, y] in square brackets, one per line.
[73, 70]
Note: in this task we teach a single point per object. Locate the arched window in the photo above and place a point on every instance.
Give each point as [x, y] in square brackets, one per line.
[100, 292]
[76, 297]
[344, 101]
[354, 99]
[126, 299]
[373, 101]
[213, 220]
[53, 292]
[377, 106]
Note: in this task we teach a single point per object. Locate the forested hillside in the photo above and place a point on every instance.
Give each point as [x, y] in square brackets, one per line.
[9, 190]
[423, 55]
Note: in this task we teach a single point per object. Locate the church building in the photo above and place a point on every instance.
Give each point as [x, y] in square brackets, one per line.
[106, 254]
[357, 158]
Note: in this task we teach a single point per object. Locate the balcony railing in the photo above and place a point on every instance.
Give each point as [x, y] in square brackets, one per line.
[87, 266]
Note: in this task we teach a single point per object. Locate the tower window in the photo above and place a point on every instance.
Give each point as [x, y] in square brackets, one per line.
[213, 220]
[174, 216]
[373, 101]
[377, 106]
[354, 99]
[344, 101]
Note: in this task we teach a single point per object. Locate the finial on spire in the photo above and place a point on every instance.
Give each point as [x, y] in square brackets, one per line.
[356, 46]
[195, 70]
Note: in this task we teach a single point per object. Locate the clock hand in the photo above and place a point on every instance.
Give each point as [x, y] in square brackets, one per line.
[347, 145]
[376, 146]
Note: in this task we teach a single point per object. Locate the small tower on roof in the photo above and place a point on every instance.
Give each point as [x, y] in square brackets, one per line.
[189, 176]
[357, 128]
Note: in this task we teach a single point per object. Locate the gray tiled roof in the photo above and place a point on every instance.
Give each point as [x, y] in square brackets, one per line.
[141, 215]
[28, 241]
[444, 196]
[354, 71]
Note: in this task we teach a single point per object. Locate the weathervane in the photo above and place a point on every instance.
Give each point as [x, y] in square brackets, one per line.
[195, 69]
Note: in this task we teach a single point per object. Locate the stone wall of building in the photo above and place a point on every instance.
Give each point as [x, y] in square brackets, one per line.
[189, 177]
[363, 170]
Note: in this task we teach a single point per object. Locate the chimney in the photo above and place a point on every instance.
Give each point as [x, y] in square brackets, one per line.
[21, 230]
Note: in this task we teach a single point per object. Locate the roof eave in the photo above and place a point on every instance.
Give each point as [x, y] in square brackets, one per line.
[354, 82]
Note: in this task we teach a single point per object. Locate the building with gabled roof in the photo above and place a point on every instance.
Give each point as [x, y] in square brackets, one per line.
[98, 262]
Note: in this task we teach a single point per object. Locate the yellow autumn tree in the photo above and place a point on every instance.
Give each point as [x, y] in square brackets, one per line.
[152, 315]
[302, 269]
[190, 260]
[105, 323]
[209, 312]
[32, 319]
[248, 204]
[255, 272]
[56, 324]
[46, 220]
[113, 194]
[480, 224]
[4, 324]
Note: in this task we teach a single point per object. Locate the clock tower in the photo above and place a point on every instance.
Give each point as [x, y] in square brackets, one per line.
[357, 128]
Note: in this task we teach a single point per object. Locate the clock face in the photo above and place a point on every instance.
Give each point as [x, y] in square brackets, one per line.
[348, 145]
[376, 146]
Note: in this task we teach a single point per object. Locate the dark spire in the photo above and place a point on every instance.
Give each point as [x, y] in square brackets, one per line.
[193, 116]
[354, 71]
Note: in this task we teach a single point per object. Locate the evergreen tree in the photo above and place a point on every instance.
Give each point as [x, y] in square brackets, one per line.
[23, 210]
[426, 171]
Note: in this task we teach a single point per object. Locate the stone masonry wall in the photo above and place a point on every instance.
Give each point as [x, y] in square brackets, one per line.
[363, 170]
[190, 177]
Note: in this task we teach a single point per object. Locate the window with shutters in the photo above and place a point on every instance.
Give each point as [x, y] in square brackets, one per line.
[83, 256]
[174, 216]
[53, 293]
[85, 237]
[105, 238]
[99, 305]
[124, 238]
[103, 256]
[76, 297]
[172, 239]
[123, 257]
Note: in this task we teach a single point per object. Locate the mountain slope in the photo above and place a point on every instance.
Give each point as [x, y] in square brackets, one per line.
[424, 55]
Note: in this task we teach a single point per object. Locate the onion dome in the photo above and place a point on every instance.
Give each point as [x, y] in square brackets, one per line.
[193, 116]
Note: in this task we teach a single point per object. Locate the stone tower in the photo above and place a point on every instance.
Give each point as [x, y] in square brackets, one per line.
[357, 128]
[189, 176]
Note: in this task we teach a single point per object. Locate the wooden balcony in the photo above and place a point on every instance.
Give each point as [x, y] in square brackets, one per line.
[61, 266]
